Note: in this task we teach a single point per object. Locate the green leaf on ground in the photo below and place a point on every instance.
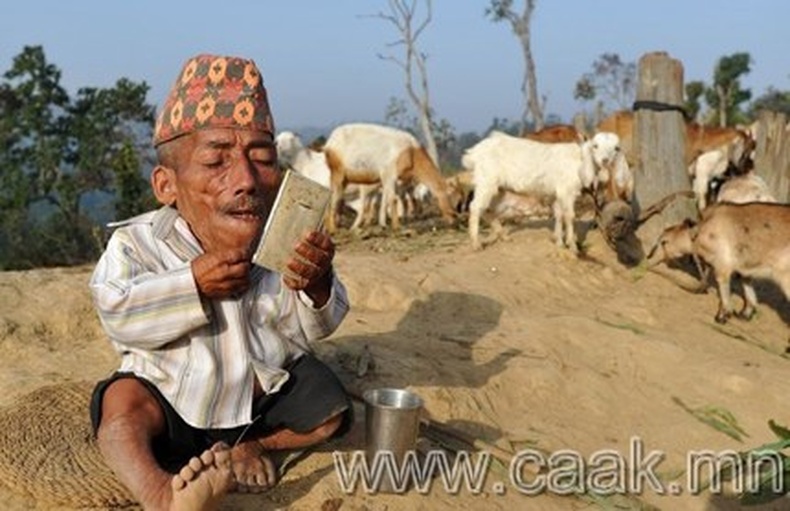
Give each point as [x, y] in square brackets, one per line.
[718, 418]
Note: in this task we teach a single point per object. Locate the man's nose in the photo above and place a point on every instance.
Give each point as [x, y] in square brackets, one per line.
[242, 176]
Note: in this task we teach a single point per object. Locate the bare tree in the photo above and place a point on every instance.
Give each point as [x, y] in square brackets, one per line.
[611, 80]
[503, 10]
[402, 15]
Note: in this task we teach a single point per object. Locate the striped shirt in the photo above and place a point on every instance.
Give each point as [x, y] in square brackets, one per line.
[203, 355]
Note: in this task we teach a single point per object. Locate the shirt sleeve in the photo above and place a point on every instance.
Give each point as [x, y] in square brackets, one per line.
[142, 308]
[318, 323]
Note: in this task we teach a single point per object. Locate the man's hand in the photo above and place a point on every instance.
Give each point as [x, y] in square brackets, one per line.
[312, 267]
[222, 274]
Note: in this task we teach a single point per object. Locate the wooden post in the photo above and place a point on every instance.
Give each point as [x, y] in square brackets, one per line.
[659, 144]
[772, 158]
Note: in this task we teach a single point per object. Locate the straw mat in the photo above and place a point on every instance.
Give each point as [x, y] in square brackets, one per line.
[47, 450]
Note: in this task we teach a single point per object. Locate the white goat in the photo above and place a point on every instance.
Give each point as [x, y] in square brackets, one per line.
[703, 170]
[293, 153]
[371, 153]
[558, 171]
[616, 179]
[710, 165]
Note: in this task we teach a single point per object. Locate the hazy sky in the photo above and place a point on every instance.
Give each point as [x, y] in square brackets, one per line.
[319, 57]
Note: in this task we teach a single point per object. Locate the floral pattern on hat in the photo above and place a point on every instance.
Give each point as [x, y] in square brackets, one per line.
[214, 92]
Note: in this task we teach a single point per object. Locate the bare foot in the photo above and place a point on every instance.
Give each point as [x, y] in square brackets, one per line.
[201, 483]
[253, 470]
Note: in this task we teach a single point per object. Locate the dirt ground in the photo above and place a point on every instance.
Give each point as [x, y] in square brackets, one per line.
[522, 347]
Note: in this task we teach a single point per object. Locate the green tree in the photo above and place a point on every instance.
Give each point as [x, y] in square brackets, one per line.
[58, 159]
[397, 115]
[33, 102]
[507, 126]
[444, 133]
[726, 94]
[132, 193]
[584, 89]
[694, 92]
[774, 100]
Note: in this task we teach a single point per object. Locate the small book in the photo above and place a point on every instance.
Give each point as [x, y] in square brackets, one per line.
[299, 208]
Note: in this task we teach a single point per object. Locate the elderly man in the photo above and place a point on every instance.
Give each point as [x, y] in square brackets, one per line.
[216, 366]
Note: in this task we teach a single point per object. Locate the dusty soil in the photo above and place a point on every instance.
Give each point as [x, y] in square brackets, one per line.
[520, 347]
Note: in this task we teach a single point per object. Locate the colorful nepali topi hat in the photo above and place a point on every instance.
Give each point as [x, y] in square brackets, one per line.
[214, 92]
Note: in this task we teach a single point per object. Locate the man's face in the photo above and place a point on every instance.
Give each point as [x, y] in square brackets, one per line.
[225, 185]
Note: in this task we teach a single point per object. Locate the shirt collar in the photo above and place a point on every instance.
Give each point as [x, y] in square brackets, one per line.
[172, 229]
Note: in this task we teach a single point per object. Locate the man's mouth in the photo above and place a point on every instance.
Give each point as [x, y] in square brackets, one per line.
[247, 215]
[248, 209]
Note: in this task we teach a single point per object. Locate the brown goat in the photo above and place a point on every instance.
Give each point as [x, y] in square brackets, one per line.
[751, 240]
[698, 138]
[556, 133]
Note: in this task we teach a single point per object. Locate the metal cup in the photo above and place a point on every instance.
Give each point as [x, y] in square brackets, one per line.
[392, 423]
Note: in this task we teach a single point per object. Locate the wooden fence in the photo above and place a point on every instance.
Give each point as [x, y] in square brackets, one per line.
[772, 159]
[659, 139]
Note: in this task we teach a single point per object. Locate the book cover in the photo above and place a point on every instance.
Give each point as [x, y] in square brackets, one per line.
[298, 209]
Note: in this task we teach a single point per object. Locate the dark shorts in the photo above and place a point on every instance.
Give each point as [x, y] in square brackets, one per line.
[311, 396]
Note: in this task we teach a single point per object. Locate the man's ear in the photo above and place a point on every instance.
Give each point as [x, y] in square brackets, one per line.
[163, 183]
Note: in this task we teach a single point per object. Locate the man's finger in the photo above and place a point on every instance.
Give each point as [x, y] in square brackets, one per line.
[294, 282]
[322, 242]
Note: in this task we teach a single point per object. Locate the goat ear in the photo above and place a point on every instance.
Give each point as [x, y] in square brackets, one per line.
[582, 137]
